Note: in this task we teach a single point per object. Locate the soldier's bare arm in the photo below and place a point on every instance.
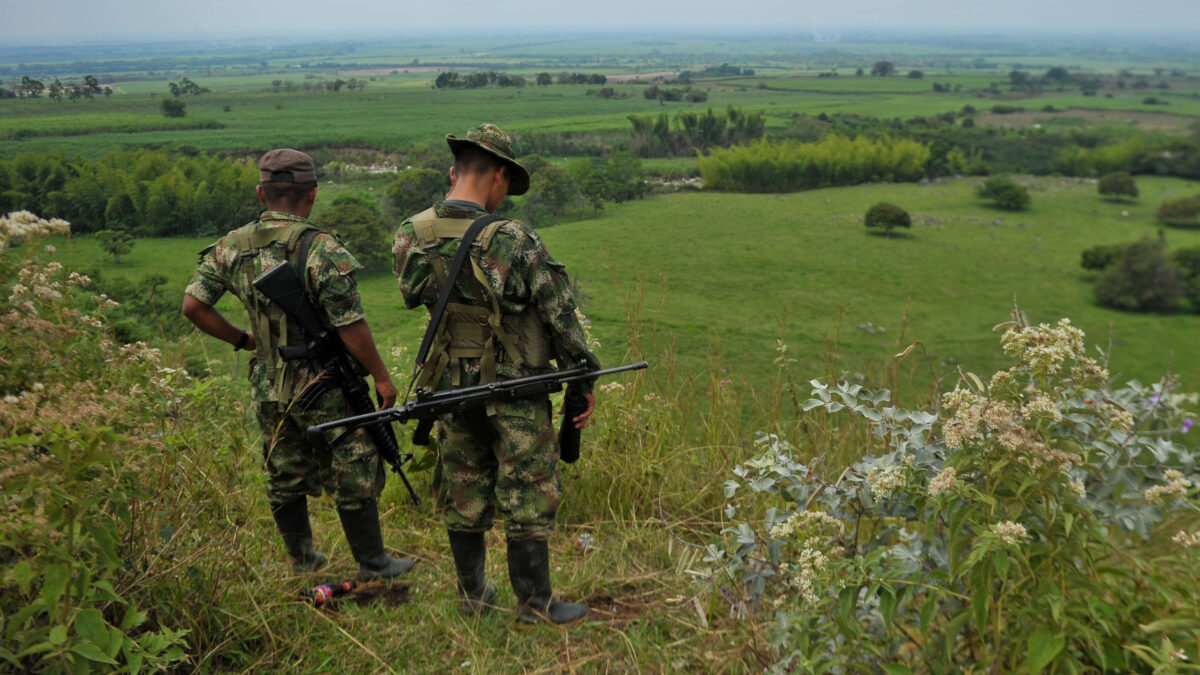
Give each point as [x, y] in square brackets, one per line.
[361, 345]
[212, 322]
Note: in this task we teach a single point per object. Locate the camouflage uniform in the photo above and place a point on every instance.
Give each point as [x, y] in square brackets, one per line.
[353, 472]
[507, 457]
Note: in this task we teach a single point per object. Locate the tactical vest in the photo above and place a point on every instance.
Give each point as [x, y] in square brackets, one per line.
[271, 325]
[472, 331]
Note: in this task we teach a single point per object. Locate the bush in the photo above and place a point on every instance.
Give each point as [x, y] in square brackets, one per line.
[1005, 193]
[1102, 257]
[416, 189]
[361, 229]
[115, 243]
[1007, 532]
[1183, 212]
[834, 160]
[173, 107]
[1145, 279]
[887, 216]
[1118, 185]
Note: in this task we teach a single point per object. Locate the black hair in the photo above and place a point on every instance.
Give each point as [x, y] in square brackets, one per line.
[473, 160]
[286, 195]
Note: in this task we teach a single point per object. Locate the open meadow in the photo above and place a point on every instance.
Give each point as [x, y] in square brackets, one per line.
[958, 489]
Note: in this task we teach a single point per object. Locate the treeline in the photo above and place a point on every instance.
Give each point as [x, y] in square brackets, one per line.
[790, 165]
[685, 131]
[486, 78]
[143, 192]
[290, 87]
[71, 90]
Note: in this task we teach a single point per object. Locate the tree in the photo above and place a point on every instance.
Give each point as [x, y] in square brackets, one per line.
[357, 220]
[1145, 279]
[115, 242]
[544, 79]
[1118, 186]
[916, 74]
[623, 173]
[173, 107]
[1102, 256]
[1183, 212]
[56, 90]
[1057, 73]
[30, 87]
[1005, 193]
[887, 216]
[417, 189]
[883, 68]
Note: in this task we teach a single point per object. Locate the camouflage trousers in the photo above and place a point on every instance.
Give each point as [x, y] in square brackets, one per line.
[506, 462]
[353, 472]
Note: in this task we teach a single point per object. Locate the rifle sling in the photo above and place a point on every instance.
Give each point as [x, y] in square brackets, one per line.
[460, 258]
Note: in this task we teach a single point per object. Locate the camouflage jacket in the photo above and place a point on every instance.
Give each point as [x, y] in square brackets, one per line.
[331, 285]
[518, 267]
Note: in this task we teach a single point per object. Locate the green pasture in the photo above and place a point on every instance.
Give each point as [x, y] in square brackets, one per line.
[729, 274]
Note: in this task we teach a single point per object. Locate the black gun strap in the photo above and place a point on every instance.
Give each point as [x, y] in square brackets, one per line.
[302, 249]
[435, 316]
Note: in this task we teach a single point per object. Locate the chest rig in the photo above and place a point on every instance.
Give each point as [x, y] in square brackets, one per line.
[272, 328]
[472, 331]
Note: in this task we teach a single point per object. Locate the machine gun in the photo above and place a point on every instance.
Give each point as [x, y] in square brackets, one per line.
[429, 405]
[325, 347]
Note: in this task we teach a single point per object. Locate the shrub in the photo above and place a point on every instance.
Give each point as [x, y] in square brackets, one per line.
[887, 216]
[1188, 260]
[417, 189]
[1005, 193]
[361, 229]
[1144, 279]
[1006, 532]
[1184, 212]
[115, 243]
[1102, 257]
[173, 107]
[1118, 185]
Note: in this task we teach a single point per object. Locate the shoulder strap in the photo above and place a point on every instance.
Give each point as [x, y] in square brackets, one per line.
[435, 317]
[301, 262]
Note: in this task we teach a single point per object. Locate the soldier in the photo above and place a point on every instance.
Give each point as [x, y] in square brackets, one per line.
[507, 318]
[353, 472]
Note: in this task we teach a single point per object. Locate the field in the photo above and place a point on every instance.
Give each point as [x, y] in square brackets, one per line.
[736, 300]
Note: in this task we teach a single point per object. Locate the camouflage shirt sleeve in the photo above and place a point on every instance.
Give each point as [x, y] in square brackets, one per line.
[207, 284]
[538, 278]
[331, 271]
[412, 267]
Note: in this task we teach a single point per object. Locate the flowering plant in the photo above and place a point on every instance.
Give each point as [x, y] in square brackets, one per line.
[1012, 529]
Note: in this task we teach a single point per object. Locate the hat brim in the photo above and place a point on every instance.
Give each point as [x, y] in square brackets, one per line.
[518, 179]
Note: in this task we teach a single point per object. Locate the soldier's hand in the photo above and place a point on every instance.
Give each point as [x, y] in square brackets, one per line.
[581, 419]
[387, 393]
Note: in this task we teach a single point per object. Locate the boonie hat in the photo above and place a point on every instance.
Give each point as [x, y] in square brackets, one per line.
[492, 140]
[284, 165]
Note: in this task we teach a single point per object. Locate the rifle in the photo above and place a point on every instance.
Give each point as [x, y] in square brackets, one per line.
[281, 286]
[429, 405]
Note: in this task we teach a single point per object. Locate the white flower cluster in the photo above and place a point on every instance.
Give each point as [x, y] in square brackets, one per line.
[140, 351]
[1044, 348]
[23, 225]
[1010, 533]
[1042, 408]
[611, 387]
[883, 483]
[803, 521]
[803, 574]
[1187, 539]
[946, 479]
[1176, 486]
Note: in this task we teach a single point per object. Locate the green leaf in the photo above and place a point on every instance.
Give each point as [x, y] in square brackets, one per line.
[1068, 521]
[897, 669]
[887, 606]
[55, 582]
[1044, 645]
[1164, 625]
[133, 618]
[979, 609]
[90, 624]
[92, 653]
[58, 634]
[927, 611]
[22, 573]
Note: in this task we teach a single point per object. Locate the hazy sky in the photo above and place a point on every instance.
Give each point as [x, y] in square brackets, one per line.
[162, 20]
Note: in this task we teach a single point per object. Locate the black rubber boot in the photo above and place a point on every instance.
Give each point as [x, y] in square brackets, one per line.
[292, 520]
[366, 544]
[529, 572]
[470, 553]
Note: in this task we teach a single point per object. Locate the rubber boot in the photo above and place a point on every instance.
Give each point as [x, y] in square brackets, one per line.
[529, 572]
[292, 520]
[470, 553]
[366, 544]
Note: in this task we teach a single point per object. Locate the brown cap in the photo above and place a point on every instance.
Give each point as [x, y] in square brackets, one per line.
[284, 165]
[490, 139]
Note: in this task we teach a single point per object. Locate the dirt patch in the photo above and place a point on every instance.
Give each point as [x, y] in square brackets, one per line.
[1150, 121]
[644, 77]
[617, 611]
[390, 595]
[360, 72]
